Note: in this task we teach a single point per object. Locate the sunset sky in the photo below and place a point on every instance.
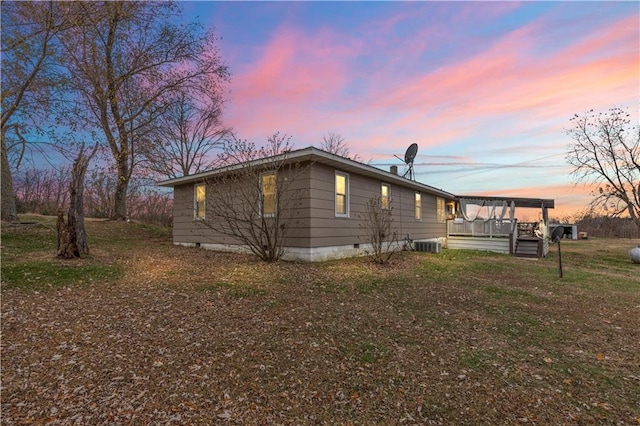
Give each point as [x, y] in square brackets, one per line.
[486, 89]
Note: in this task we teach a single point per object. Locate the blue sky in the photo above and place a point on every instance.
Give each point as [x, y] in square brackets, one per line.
[486, 89]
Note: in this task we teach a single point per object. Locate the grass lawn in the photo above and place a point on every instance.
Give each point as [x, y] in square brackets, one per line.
[144, 332]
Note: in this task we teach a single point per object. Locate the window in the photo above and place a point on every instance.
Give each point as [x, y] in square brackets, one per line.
[342, 194]
[418, 206]
[385, 190]
[200, 195]
[441, 211]
[268, 186]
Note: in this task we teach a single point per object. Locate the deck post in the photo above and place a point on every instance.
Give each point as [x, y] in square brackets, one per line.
[511, 243]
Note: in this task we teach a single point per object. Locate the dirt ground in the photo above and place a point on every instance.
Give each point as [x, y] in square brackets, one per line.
[174, 335]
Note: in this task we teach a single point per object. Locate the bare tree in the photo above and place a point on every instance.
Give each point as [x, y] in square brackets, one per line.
[152, 205]
[376, 223]
[605, 154]
[101, 185]
[72, 236]
[127, 61]
[335, 144]
[258, 195]
[29, 60]
[186, 135]
[40, 190]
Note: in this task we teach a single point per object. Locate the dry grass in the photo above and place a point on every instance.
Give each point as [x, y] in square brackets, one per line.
[166, 334]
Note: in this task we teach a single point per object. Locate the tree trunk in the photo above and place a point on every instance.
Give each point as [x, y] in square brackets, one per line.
[72, 236]
[76, 201]
[120, 199]
[8, 209]
[67, 244]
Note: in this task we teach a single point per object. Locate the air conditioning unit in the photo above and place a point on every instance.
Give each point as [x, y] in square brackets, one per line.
[428, 246]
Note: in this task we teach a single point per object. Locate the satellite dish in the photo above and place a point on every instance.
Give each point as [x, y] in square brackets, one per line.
[410, 155]
[557, 234]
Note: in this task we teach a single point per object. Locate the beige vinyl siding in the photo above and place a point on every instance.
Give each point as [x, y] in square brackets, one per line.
[188, 230]
[328, 230]
[316, 224]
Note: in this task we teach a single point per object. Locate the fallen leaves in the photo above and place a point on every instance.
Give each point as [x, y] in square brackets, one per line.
[195, 337]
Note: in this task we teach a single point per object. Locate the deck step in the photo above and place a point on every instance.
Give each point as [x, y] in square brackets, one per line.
[528, 248]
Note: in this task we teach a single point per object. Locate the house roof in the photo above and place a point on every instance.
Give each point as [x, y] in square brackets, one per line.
[319, 156]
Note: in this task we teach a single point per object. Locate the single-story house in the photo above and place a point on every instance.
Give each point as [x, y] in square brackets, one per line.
[327, 198]
[331, 194]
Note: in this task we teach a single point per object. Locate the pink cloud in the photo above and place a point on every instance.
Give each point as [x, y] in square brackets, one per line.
[303, 84]
[293, 67]
[293, 75]
[504, 80]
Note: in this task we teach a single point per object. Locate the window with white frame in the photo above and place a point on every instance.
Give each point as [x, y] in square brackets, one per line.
[268, 189]
[418, 206]
[199, 201]
[385, 193]
[342, 194]
[441, 210]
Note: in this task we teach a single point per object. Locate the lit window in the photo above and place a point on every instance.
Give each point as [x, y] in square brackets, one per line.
[269, 194]
[342, 194]
[418, 206]
[442, 213]
[199, 201]
[384, 196]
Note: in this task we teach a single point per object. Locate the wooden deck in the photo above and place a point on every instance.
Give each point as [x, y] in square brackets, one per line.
[508, 237]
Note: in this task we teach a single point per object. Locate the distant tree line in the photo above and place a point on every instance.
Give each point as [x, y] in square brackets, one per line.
[46, 191]
[608, 227]
[600, 224]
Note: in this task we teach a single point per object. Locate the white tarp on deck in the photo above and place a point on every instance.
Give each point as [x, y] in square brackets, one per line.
[473, 209]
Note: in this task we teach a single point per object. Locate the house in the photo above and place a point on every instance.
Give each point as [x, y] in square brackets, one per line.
[324, 203]
[330, 195]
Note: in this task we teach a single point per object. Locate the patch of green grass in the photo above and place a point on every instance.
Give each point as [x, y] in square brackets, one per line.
[370, 286]
[369, 352]
[156, 230]
[476, 358]
[454, 264]
[590, 276]
[511, 293]
[19, 242]
[331, 286]
[47, 274]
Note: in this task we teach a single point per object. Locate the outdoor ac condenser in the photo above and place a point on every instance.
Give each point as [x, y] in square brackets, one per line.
[428, 246]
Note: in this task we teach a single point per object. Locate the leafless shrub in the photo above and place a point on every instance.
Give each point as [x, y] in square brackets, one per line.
[377, 225]
[257, 199]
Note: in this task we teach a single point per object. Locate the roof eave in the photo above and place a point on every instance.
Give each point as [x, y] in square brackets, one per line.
[315, 154]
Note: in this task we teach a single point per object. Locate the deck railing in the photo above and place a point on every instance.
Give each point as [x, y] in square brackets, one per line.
[481, 228]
